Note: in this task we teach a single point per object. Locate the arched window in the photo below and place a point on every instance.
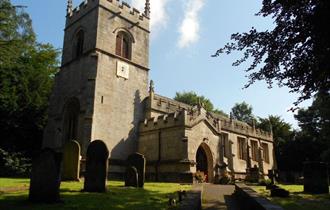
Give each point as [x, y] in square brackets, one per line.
[123, 45]
[71, 118]
[79, 43]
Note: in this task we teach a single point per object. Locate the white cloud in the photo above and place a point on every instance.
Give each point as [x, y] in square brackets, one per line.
[189, 28]
[159, 16]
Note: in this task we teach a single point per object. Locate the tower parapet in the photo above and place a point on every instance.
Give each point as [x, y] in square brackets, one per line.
[117, 7]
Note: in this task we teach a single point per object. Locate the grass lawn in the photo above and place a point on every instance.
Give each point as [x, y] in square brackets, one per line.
[13, 182]
[153, 196]
[298, 200]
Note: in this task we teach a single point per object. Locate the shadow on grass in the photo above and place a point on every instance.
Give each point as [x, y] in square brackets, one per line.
[299, 200]
[117, 197]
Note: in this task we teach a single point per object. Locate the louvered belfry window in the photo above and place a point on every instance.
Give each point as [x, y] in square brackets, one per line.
[123, 45]
[80, 36]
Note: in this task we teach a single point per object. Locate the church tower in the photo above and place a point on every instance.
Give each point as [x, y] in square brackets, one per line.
[100, 89]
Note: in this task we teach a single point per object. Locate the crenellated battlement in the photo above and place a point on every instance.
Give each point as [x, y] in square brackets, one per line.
[73, 14]
[117, 7]
[164, 106]
[244, 129]
[163, 121]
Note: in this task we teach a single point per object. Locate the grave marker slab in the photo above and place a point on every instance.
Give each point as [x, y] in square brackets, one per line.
[316, 179]
[96, 167]
[45, 177]
[71, 161]
[138, 161]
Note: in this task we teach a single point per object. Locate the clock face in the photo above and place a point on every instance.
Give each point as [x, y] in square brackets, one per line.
[122, 69]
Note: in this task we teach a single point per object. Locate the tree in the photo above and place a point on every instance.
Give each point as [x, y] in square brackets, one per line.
[243, 112]
[283, 135]
[192, 98]
[27, 69]
[220, 112]
[315, 125]
[295, 53]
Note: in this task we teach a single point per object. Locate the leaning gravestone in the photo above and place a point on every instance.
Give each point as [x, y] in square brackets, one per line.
[71, 162]
[96, 167]
[138, 161]
[45, 177]
[131, 177]
[316, 180]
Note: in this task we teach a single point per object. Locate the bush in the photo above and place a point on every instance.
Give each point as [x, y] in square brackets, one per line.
[265, 182]
[14, 164]
[225, 180]
[200, 177]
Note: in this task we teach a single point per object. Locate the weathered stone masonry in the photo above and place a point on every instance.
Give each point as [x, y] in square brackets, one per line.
[102, 95]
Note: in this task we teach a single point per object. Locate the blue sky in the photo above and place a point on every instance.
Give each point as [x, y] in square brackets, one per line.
[185, 33]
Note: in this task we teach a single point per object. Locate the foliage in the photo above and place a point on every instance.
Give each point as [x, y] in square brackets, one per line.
[220, 112]
[193, 99]
[298, 200]
[200, 177]
[292, 148]
[14, 164]
[295, 53]
[153, 196]
[27, 69]
[243, 112]
[315, 126]
[265, 182]
[225, 179]
[283, 136]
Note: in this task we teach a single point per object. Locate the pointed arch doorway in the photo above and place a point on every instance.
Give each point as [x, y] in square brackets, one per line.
[204, 161]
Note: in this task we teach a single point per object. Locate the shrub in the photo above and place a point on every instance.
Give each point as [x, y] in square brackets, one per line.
[14, 164]
[265, 182]
[200, 177]
[225, 180]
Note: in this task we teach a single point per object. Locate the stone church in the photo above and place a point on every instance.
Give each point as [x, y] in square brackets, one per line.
[102, 92]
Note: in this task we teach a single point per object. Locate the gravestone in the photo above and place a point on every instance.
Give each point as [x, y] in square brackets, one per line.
[271, 176]
[279, 192]
[138, 161]
[96, 167]
[45, 177]
[71, 161]
[316, 180]
[253, 174]
[131, 177]
[181, 195]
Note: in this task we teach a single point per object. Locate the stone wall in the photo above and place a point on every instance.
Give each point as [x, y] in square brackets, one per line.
[119, 102]
[200, 129]
[76, 80]
[163, 143]
[202, 134]
[111, 106]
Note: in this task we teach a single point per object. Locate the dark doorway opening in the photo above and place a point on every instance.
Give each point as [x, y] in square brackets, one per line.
[202, 163]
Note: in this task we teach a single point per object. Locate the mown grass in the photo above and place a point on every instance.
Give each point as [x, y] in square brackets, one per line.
[153, 196]
[13, 182]
[298, 200]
